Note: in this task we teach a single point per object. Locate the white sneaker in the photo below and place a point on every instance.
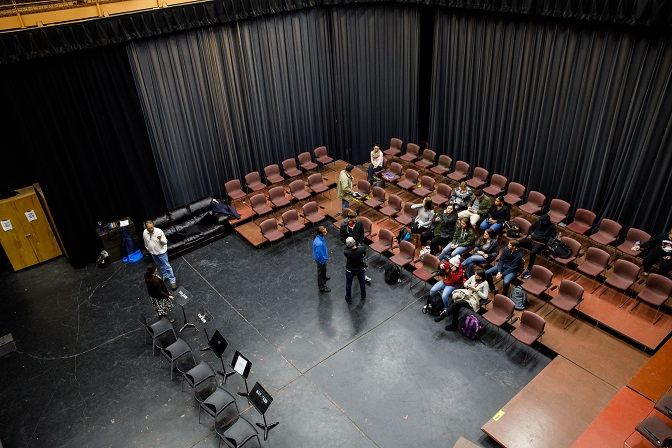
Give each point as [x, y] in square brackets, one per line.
[367, 279]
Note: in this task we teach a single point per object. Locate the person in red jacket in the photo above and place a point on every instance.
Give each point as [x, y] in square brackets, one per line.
[453, 278]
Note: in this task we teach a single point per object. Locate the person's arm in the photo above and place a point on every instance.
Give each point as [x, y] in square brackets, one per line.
[656, 240]
[505, 215]
[161, 237]
[416, 205]
[516, 263]
[482, 291]
[469, 238]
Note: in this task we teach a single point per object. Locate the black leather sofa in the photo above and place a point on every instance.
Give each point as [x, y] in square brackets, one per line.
[192, 226]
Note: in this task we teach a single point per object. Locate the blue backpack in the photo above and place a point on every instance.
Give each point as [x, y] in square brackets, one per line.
[471, 326]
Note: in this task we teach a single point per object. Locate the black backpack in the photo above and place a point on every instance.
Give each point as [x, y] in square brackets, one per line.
[392, 274]
[558, 248]
[434, 305]
[512, 229]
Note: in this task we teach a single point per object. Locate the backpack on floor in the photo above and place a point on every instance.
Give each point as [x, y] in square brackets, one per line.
[519, 298]
[558, 248]
[512, 229]
[471, 326]
[434, 305]
[392, 274]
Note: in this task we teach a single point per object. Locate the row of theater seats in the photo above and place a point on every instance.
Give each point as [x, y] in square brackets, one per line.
[273, 175]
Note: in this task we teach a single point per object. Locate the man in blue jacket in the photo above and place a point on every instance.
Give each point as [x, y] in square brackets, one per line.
[321, 256]
[509, 264]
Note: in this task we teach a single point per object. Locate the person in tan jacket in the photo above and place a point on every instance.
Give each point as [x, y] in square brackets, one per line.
[344, 187]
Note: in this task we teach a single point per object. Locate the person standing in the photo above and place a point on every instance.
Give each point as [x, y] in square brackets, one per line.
[321, 256]
[351, 226]
[156, 288]
[376, 165]
[354, 267]
[344, 188]
[157, 245]
[540, 232]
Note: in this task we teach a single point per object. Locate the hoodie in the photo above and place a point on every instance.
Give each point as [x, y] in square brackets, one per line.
[543, 230]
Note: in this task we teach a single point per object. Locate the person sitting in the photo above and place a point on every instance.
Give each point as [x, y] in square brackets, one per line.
[424, 220]
[444, 229]
[156, 288]
[487, 249]
[461, 197]
[507, 268]
[540, 232]
[463, 238]
[477, 208]
[475, 291]
[453, 278]
[499, 213]
[657, 250]
[351, 226]
[377, 162]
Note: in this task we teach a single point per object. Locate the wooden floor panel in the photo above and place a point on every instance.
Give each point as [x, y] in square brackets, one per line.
[552, 410]
[655, 377]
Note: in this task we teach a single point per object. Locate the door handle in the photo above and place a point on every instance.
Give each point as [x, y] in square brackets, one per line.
[28, 235]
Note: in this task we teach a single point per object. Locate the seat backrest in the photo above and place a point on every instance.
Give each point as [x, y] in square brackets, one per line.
[626, 269]
[516, 189]
[320, 151]
[571, 289]
[366, 224]
[412, 148]
[498, 180]
[573, 245]
[660, 284]
[290, 216]
[233, 186]
[409, 210]
[396, 168]
[635, 234]
[536, 198]
[407, 248]
[461, 167]
[560, 206]
[427, 182]
[288, 164]
[314, 179]
[610, 227]
[444, 190]
[503, 304]
[309, 208]
[542, 274]
[252, 177]
[396, 143]
[304, 157]
[431, 262]
[445, 161]
[296, 185]
[268, 225]
[378, 193]
[412, 175]
[429, 155]
[276, 193]
[363, 186]
[524, 225]
[584, 216]
[532, 321]
[386, 236]
[597, 256]
[481, 173]
[394, 201]
[258, 199]
[271, 170]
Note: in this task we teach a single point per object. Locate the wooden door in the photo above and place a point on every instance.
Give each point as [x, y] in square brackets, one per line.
[14, 241]
[37, 228]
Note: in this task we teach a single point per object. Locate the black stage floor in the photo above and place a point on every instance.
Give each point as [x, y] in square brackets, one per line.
[377, 373]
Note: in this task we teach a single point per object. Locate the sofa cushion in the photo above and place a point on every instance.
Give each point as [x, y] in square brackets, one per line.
[188, 227]
[179, 214]
[162, 221]
[169, 230]
[200, 206]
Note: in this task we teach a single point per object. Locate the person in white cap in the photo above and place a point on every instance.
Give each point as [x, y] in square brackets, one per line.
[354, 267]
[453, 278]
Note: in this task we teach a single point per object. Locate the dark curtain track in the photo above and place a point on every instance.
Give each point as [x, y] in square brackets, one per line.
[223, 101]
[575, 113]
[75, 125]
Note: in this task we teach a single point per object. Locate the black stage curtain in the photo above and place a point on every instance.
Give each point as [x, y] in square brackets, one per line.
[53, 40]
[223, 101]
[76, 127]
[580, 114]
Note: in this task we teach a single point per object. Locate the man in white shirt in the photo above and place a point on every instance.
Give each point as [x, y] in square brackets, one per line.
[157, 245]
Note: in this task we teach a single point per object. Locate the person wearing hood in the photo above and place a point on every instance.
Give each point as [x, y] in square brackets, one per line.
[453, 278]
[354, 267]
[351, 226]
[539, 234]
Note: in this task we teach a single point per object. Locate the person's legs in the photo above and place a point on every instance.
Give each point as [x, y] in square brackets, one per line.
[362, 284]
[459, 250]
[456, 306]
[488, 277]
[370, 173]
[665, 266]
[508, 278]
[426, 237]
[468, 264]
[165, 267]
[445, 253]
[437, 242]
[438, 286]
[536, 248]
[484, 224]
[321, 276]
[649, 259]
[348, 285]
[344, 204]
[495, 228]
[447, 295]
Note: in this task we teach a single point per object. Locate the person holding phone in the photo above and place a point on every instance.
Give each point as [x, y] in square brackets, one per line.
[156, 244]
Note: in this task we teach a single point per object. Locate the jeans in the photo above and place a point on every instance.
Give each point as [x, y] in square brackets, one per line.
[372, 171]
[349, 276]
[439, 241]
[449, 252]
[344, 204]
[469, 263]
[508, 278]
[321, 275]
[447, 293]
[491, 228]
[165, 268]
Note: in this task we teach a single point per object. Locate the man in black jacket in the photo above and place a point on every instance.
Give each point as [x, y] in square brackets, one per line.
[351, 226]
[354, 267]
[540, 232]
[657, 250]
